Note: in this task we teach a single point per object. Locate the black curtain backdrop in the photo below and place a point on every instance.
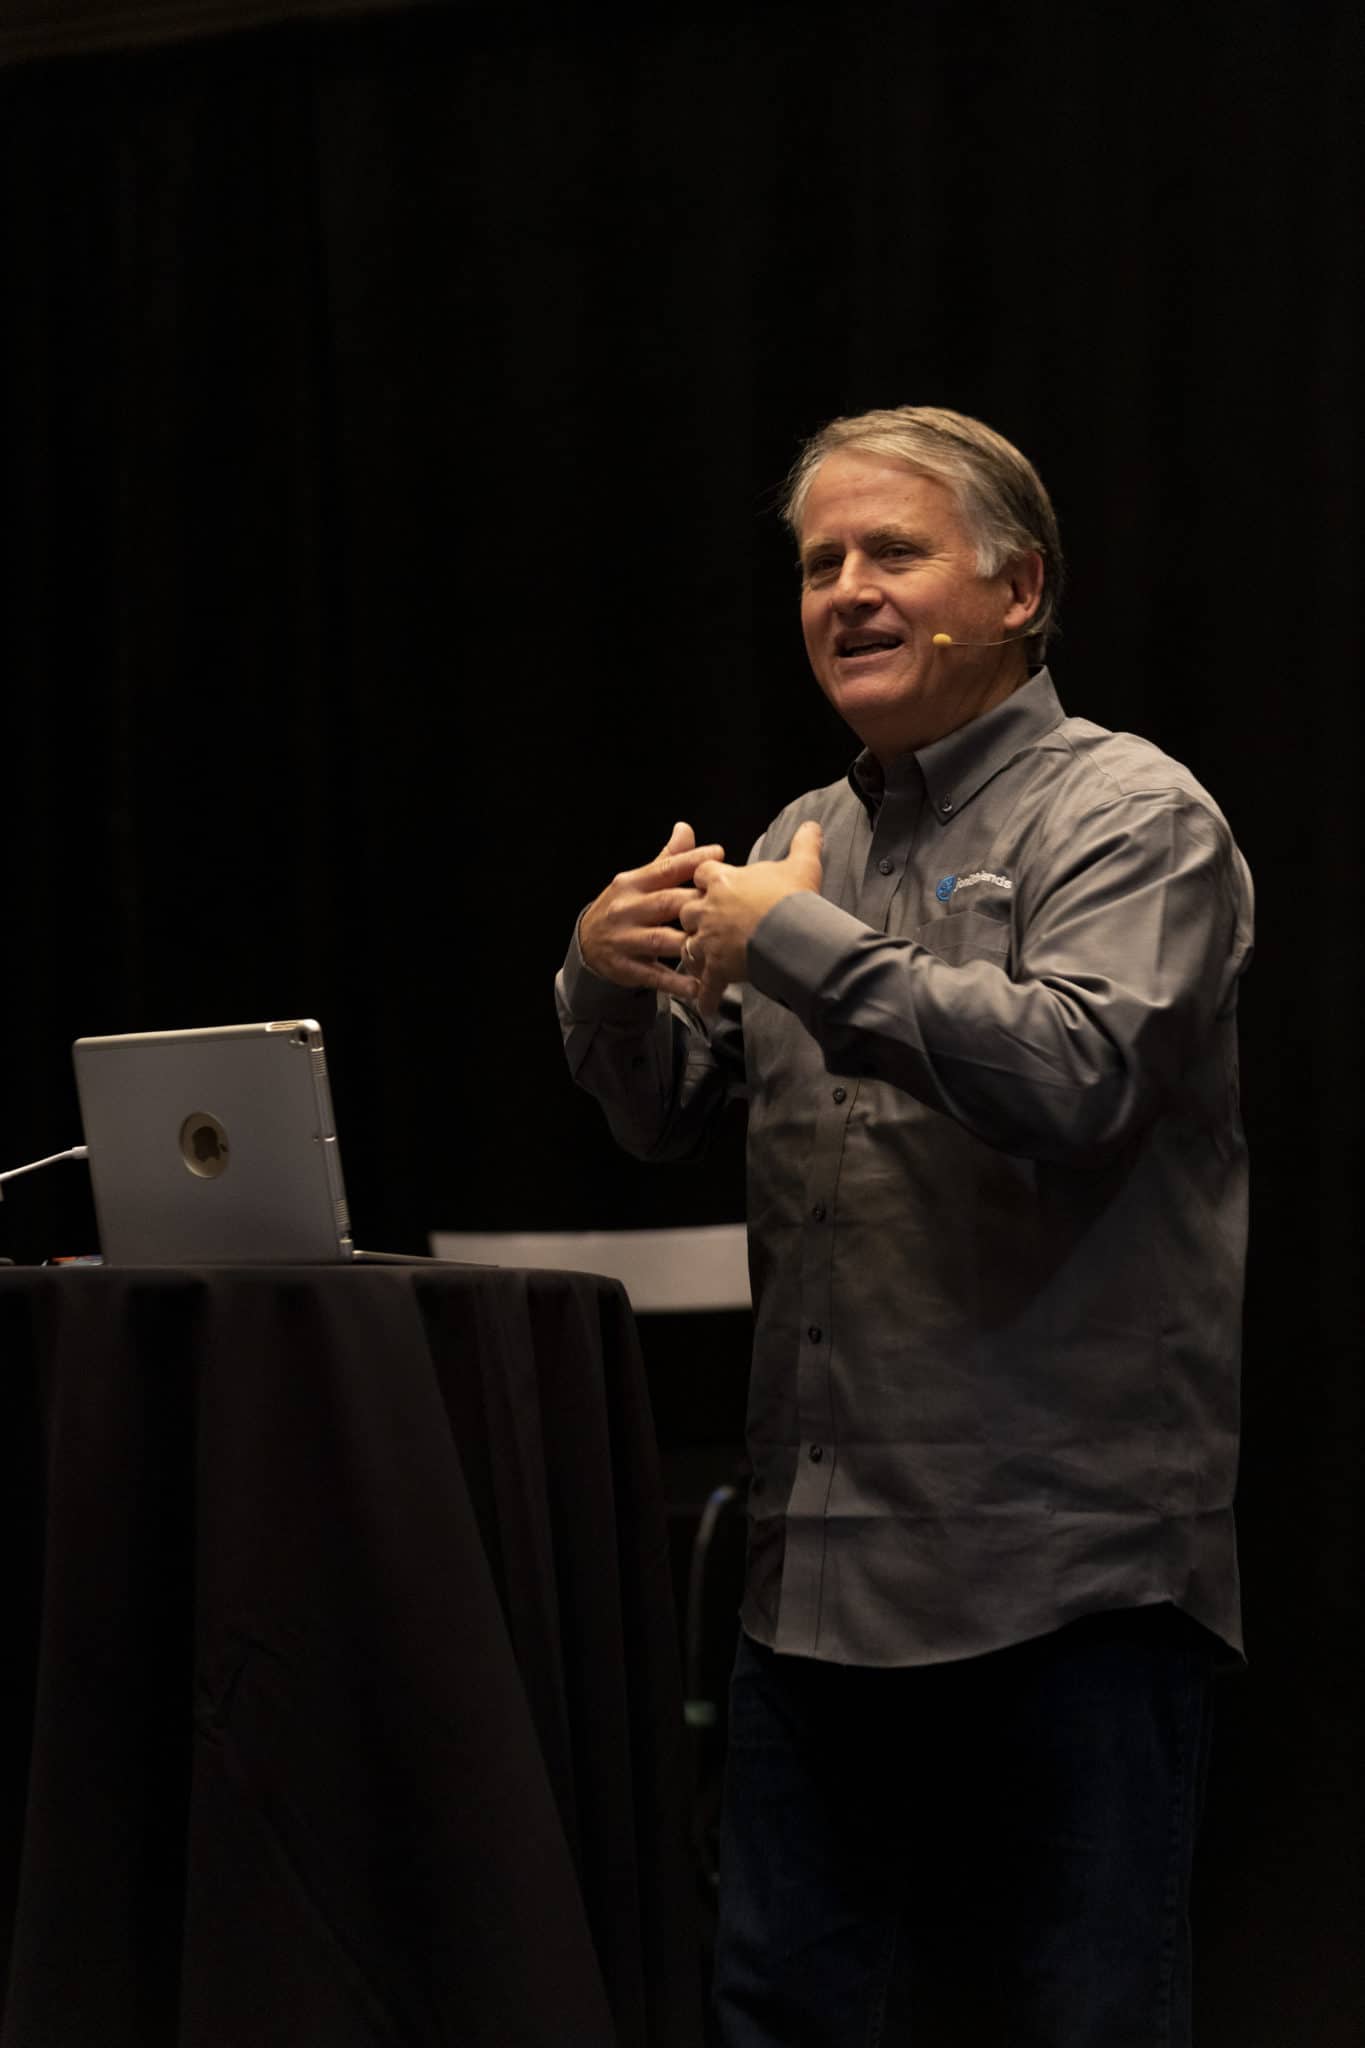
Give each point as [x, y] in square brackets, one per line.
[393, 411]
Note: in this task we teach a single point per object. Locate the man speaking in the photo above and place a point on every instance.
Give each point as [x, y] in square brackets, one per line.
[981, 996]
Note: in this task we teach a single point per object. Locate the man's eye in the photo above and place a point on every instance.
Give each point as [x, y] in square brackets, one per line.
[821, 566]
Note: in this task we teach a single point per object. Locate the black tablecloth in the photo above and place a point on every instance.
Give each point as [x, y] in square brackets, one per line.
[340, 1688]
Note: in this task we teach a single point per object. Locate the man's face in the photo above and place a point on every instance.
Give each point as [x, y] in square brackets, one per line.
[885, 564]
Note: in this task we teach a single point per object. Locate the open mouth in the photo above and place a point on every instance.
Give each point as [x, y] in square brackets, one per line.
[864, 646]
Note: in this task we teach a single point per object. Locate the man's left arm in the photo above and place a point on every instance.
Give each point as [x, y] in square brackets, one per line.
[1129, 953]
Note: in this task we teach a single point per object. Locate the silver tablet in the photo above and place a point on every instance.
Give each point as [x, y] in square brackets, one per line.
[213, 1147]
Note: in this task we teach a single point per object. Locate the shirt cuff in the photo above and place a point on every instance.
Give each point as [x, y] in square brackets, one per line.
[589, 999]
[797, 946]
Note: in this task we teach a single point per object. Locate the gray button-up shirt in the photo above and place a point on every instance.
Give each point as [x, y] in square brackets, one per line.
[997, 1191]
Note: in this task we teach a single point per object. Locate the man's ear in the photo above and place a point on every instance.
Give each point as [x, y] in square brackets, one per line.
[1024, 576]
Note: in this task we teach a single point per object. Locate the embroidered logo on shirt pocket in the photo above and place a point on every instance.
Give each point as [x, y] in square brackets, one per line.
[944, 889]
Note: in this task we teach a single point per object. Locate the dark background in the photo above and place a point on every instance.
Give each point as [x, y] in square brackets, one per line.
[393, 415]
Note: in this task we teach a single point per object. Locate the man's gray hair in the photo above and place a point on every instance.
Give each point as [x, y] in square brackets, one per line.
[999, 493]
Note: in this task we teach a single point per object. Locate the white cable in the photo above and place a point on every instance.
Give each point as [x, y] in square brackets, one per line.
[52, 1159]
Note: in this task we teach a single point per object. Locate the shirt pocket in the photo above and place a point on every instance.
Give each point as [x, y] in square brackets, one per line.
[965, 935]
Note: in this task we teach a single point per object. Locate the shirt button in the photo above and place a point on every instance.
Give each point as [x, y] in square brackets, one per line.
[886, 867]
[817, 1452]
[946, 806]
[815, 1333]
[818, 1212]
[841, 1094]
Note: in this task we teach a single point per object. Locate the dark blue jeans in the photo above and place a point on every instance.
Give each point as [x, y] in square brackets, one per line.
[994, 1851]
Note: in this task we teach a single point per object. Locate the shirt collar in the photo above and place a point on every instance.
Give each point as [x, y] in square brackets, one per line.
[956, 767]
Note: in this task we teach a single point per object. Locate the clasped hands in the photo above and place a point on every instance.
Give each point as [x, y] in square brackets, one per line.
[633, 926]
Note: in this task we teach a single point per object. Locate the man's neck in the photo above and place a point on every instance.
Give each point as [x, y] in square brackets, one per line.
[910, 739]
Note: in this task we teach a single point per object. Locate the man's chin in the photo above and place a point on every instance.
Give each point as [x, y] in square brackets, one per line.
[882, 718]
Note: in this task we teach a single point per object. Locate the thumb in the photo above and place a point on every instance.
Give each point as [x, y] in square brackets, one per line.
[681, 839]
[807, 849]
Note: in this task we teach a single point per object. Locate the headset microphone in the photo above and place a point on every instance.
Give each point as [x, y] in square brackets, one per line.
[947, 640]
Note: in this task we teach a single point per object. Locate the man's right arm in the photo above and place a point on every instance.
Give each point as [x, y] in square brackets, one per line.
[631, 1037]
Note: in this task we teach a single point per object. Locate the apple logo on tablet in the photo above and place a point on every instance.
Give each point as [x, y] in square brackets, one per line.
[204, 1145]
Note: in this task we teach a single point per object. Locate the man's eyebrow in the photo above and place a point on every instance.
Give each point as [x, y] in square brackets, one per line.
[880, 534]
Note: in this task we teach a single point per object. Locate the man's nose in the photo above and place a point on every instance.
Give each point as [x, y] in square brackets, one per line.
[856, 588]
